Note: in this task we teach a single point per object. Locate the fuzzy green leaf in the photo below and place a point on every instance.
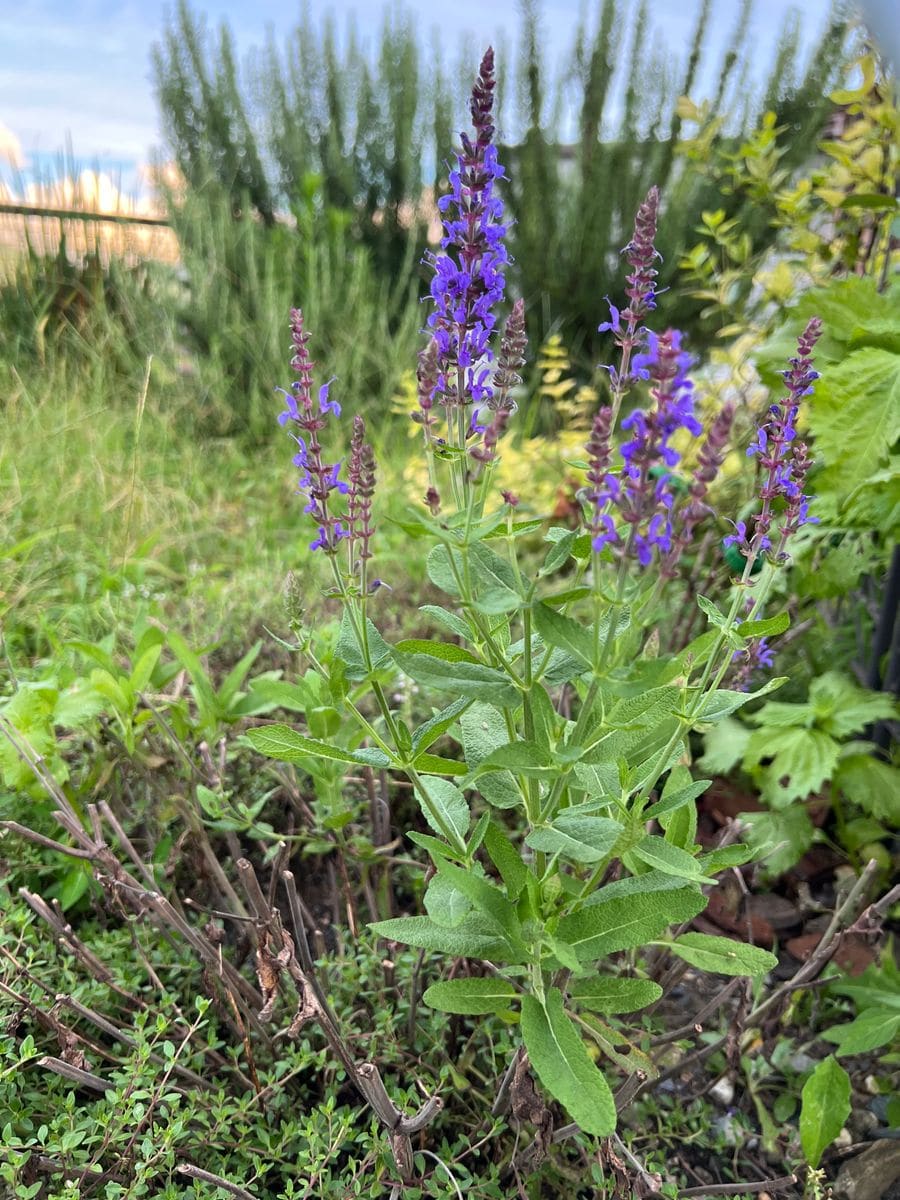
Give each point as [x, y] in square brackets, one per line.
[627, 921]
[609, 994]
[564, 1067]
[474, 937]
[468, 679]
[722, 955]
[471, 997]
[583, 839]
[285, 744]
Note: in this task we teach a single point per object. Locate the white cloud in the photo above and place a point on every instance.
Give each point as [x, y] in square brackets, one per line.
[10, 148]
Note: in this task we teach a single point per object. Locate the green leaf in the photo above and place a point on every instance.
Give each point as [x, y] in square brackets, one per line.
[446, 651]
[724, 747]
[206, 698]
[627, 921]
[876, 1027]
[445, 809]
[143, 669]
[872, 784]
[426, 735]
[488, 899]
[468, 679]
[484, 731]
[855, 416]
[232, 682]
[563, 633]
[471, 997]
[674, 800]
[722, 955]
[583, 839]
[472, 938]
[562, 1064]
[609, 994]
[506, 859]
[277, 693]
[768, 627]
[802, 760]
[715, 615]
[558, 554]
[449, 620]
[780, 839]
[444, 903]
[522, 758]
[660, 854]
[824, 1107]
[440, 568]
[842, 708]
[77, 705]
[722, 703]
[286, 745]
[433, 764]
[635, 885]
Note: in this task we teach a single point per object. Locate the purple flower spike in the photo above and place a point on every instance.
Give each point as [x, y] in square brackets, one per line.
[468, 278]
[318, 478]
[782, 457]
[642, 492]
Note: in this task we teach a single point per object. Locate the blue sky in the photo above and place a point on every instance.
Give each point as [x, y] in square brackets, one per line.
[80, 69]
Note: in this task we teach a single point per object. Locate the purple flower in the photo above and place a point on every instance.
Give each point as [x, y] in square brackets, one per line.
[468, 277]
[782, 457]
[642, 492]
[318, 478]
[626, 325]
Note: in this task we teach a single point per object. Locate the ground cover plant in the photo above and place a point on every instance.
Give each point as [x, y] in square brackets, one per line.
[245, 997]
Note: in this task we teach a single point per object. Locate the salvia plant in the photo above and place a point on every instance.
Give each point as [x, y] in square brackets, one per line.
[554, 774]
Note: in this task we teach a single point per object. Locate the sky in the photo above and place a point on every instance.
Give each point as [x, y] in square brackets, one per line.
[78, 71]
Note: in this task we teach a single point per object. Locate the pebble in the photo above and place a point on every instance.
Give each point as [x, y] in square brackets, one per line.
[722, 1091]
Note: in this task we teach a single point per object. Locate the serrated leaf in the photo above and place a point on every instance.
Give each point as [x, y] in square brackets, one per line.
[471, 997]
[583, 839]
[872, 784]
[780, 839]
[627, 921]
[562, 1064]
[722, 955]
[611, 995]
[824, 1107]
[802, 760]
[856, 416]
